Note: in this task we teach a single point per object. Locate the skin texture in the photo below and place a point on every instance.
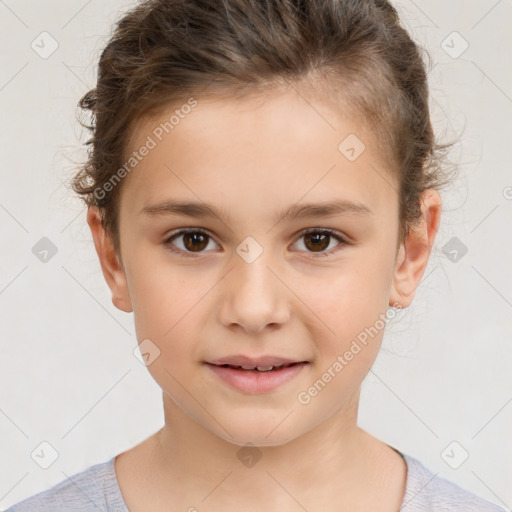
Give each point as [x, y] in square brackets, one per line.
[250, 159]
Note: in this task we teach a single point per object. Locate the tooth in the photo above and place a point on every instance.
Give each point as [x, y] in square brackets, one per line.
[264, 368]
[248, 367]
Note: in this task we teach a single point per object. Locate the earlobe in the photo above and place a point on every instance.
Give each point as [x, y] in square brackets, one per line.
[112, 269]
[414, 252]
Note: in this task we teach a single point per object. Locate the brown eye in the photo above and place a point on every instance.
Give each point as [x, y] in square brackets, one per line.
[195, 241]
[192, 241]
[318, 240]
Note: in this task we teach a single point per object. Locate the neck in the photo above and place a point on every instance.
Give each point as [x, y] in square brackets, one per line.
[189, 457]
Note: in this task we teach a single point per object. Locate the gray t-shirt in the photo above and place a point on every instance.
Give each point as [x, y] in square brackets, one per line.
[95, 489]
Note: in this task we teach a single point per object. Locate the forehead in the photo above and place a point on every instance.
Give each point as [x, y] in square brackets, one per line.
[256, 153]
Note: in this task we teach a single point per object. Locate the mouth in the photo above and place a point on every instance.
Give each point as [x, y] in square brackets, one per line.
[255, 376]
[261, 363]
[259, 369]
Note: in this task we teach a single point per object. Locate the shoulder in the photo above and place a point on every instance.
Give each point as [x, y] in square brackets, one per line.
[94, 489]
[428, 491]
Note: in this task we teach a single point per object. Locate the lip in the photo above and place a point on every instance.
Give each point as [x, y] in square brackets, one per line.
[254, 381]
[242, 360]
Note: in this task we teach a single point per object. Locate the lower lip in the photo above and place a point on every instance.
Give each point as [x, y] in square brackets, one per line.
[254, 381]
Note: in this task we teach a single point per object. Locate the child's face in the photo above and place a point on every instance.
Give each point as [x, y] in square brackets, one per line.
[251, 161]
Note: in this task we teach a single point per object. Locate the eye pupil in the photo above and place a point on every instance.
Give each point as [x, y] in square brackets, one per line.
[197, 241]
[318, 240]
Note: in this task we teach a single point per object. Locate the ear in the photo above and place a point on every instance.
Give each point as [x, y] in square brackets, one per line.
[112, 269]
[414, 252]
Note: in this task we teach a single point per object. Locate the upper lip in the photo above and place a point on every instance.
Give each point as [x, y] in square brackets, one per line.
[241, 360]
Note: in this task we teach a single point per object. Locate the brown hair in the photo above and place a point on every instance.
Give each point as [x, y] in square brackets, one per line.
[354, 53]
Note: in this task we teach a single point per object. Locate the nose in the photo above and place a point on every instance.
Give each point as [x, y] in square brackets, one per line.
[254, 296]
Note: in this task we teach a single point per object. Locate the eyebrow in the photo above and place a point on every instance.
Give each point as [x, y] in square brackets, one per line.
[297, 211]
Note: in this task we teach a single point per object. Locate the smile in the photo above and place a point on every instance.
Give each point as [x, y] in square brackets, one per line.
[259, 379]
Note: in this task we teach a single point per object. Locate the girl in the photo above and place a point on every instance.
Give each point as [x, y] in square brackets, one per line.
[262, 187]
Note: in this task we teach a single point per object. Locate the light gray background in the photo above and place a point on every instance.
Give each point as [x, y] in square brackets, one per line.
[69, 376]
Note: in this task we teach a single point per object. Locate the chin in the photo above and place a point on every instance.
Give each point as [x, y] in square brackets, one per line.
[263, 431]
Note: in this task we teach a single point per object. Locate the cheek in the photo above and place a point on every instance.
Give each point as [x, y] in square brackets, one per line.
[168, 312]
[163, 296]
[352, 306]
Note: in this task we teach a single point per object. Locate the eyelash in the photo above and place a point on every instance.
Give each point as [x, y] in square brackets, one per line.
[181, 253]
